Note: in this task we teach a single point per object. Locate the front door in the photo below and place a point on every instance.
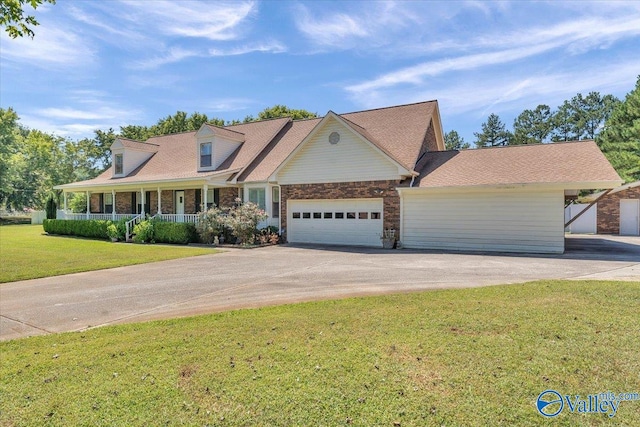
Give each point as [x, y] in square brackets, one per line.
[629, 217]
[180, 205]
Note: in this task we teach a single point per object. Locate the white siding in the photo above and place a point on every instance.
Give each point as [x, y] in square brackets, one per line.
[503, 221]
[351, 159]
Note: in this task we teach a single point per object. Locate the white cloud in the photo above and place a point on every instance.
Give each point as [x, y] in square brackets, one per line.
[225, 105]
[267, 47]
[212, 21]
[575, 37]
[174, 54]
[510, 92]
[52, 47]
[375, 22]
[84, 112]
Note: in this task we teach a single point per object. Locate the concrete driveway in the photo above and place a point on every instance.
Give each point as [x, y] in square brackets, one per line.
[282, 274]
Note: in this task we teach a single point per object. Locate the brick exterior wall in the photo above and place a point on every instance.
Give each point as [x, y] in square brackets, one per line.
[430, 143]
[609, 210]
[347, 190]
[123, 203]
[166, 201]
[190, 202]
[228, 197]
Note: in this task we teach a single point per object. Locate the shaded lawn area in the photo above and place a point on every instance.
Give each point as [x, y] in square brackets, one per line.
[27, 253]
[470, 357]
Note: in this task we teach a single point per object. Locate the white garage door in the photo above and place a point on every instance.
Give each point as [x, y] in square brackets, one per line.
[503, 221]
[355, 222]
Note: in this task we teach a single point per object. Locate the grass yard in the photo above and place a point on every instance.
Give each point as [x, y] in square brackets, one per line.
[471, 357]
[27, 253]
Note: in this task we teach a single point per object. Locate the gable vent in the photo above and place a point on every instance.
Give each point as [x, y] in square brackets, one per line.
[334, 138]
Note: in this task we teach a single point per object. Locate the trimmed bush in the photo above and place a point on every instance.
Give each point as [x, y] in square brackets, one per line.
[174, 232]
[143, 232]
[92, 228]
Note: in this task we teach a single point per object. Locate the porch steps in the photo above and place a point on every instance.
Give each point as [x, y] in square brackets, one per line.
[130, 225]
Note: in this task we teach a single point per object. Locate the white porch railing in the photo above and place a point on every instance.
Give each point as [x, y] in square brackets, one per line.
[129, 227]
[193, 218]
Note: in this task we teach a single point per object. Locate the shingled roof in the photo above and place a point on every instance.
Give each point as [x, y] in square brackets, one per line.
[567, 162]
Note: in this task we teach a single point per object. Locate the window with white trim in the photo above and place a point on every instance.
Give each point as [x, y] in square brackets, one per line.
[205, 155]
[118, 164]
[275, 202]
[108, 203]
[257, 196]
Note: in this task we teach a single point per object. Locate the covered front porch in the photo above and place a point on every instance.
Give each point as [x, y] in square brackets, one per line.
[180, 204]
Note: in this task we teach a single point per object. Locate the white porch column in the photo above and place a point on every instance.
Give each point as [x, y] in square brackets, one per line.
[205, 190]
[142, 201]
[113, 205]
[64, 193]
[88, 204]
[159, 201]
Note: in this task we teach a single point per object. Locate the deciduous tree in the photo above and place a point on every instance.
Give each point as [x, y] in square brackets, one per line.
[13, 19]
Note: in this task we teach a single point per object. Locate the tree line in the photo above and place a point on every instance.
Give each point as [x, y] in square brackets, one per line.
[612, 123]
[32, 161]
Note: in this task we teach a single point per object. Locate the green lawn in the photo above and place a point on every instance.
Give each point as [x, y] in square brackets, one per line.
[472, 357]
[27, 253]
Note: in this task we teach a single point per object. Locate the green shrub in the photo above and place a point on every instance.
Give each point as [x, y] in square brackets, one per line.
[210, 224]
[112, 231]
[50, 208]
[143, 232]
[92, 228]
[173, 232]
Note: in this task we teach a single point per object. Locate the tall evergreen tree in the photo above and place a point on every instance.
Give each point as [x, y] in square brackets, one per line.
[493, 133]
[453, 141]
[620, 139]
[532, 126]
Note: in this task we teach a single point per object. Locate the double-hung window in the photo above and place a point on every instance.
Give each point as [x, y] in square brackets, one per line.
[257, 196]
[205, 155]
[118, 164]
[108, 202]
[275, 202]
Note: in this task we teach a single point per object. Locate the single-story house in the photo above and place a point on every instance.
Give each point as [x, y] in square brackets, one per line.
[346, 178]
[617, 212]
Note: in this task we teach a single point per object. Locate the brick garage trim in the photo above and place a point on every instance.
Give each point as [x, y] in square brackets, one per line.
[347, 190]
[609, 210]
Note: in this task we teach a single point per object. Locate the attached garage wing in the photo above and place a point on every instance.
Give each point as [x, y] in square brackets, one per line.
[502, 221]
[354, 222]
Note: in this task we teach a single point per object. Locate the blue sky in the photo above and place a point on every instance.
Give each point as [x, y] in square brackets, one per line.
[101, 64]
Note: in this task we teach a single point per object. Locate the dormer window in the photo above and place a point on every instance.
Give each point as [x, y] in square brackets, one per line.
[118, 164]
[205, 155]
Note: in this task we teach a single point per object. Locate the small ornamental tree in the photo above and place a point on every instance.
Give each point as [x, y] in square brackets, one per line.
[210, 224]
[243, 221]
[51, 207]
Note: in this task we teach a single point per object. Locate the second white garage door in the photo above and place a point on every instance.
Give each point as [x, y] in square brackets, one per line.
[508, 220]
[356, 222]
